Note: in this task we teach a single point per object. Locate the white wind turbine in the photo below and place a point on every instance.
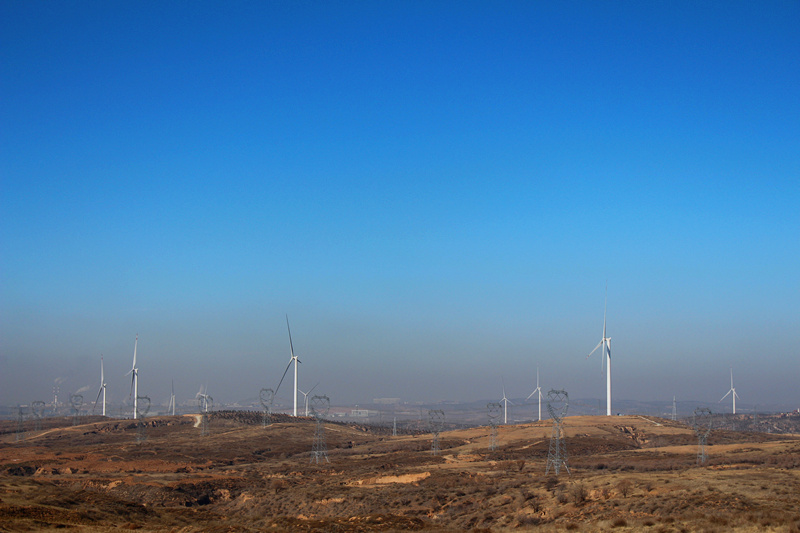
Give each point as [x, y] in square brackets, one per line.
[292, 359]
[202, 396]
[505, 401]
[102, 388]
[134, 373]
[539, 390]
[305, 396]
[605, 342]
[171, 406]
[733, 396]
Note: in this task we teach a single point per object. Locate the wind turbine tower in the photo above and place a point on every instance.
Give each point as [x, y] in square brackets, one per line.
[732, 392]
[505, 401]
[292, 359]
[102, 388]
[296, 360]
[134, 373]
[605, 343]
[538, 389]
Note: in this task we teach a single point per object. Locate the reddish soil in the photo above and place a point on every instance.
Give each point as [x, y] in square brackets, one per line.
[626, 474]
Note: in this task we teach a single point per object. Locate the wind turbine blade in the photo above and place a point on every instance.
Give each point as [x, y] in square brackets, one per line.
[603, 357]
[605, 308]
[291, 346]
[135, 345]
[595, 349]
[608, 347]
[726, 395]
[283, 376]
[97, 399]
[102, 374]
[314, 387]
[537, 385]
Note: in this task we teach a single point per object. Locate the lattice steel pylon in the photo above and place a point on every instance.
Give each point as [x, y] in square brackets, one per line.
[436, 423]
[142, 408]
[701, 422]
[266, 397]
[76, 401]
[37, 410]
[319, 406]
[206, 404]
[557, 405]
[494, 410]
[21, 422]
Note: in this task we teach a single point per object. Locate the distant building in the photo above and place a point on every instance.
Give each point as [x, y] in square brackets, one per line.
[359, 413]
[386, 401]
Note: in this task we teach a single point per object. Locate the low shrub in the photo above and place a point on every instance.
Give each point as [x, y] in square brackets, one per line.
[625, 486]
[579, 493]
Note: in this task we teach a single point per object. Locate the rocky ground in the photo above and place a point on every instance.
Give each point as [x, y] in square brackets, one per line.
[625, 474]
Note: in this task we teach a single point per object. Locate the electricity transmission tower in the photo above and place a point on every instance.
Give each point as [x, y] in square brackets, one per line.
[206, 405]
[436, 423]
[37, 409]
[494, 409]
[702, 427]
[142, 408]
[21, 422]
[266, 396]
[320, 405]
[557, 405]
[76, 401]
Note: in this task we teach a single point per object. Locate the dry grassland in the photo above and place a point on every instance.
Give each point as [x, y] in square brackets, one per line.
[627, 474]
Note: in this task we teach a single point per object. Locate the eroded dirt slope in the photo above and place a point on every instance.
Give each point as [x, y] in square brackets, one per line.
[626, 473]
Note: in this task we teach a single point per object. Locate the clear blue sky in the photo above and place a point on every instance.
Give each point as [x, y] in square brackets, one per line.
[435, 192]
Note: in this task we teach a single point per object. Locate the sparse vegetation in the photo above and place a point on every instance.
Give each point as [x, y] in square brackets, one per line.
[244, 477]
[579, 493]
[625, 486]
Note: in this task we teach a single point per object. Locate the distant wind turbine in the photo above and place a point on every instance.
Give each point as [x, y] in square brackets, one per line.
[305, 396]
[171, 406]
[605, 343]
[505, 401]
[203, 398]
[538, 389]
[292, 359]
[134, 373]
[102, 388]
[733, 395]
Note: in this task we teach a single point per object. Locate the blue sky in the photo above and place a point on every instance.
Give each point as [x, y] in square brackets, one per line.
[435, 193]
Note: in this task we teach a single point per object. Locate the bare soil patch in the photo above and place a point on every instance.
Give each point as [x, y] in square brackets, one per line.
[627, 474]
